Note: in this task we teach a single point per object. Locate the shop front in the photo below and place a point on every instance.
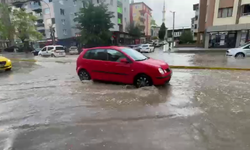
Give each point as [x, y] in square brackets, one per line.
[222, 39]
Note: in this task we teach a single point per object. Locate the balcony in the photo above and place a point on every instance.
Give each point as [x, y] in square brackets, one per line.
[142, 19]
[40, 26]
[119, 10]
[39, 16]
[244, 2]
[35, 6]
[245, 16]
[119, 3]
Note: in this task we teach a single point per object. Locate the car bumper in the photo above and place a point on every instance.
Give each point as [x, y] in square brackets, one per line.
[60, 54]
[229, 53]
[163, 79]
[146, 50]
[6, 67]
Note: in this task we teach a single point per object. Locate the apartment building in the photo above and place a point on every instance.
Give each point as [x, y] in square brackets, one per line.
[195, 21]
[140, 14]
[60, 14]
[224, 23]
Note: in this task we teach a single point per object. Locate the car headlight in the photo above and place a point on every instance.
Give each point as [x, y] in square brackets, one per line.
[8, 60]
[161, 71]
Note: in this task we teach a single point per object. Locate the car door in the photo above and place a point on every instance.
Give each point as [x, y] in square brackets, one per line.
[95, 64]
[43, 51]
[247, 50]
[118, 71]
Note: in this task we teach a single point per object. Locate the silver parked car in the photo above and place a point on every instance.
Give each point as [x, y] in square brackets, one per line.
[73, 50]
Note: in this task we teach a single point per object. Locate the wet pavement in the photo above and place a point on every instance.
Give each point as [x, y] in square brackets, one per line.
[44, 106]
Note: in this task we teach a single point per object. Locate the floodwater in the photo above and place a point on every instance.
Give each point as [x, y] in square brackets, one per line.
[43, 105]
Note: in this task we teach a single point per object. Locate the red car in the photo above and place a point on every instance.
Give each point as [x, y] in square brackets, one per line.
[122, 64]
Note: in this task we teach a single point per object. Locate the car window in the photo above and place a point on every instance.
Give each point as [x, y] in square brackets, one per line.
[96, 54]
[114, 55]
[59, 48]
[145, 46]
[44, 49]
[50, 48]
[134, 54]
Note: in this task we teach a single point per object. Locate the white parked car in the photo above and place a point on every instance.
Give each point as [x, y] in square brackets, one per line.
[73, 50]
[147, 48]
[240, 52]
[53, 51]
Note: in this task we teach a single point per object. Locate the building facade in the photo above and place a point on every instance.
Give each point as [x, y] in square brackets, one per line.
[224, 23]
[140, 14]
[60, 14]
[195, 21]
[177, 33]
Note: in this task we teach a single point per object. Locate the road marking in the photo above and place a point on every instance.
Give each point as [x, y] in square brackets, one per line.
[209, 68]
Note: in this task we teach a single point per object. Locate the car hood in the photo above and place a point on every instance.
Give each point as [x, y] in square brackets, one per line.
[3, 58]
[155, 63]
[234, 49]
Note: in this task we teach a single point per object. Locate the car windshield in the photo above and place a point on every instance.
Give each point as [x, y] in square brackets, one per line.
[245, 44]
[134, 54]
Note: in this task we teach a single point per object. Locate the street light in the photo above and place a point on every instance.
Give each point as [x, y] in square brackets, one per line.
[173, 27]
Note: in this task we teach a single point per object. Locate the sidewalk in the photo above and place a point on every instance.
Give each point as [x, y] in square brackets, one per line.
[198, 50]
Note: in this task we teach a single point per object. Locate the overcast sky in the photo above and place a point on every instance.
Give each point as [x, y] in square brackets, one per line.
[183, 8]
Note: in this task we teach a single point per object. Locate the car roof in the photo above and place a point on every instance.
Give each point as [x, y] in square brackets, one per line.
[54, 45]
[107, 47]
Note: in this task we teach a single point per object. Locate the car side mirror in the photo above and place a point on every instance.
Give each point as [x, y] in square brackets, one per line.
[124, 60]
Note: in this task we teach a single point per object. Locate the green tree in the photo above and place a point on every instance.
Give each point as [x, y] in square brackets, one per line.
[94, 23]
[186, 37]
[153, 22]
[162, 31]
[6, 28]
[24, 24]
[134, 30]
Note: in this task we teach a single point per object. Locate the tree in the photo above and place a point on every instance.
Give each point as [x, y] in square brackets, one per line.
[153, 22]
[134, 30]
[154, 38]
[6, 28]
[94, 23]
[24, 25]
[186, 37]
[162, 31]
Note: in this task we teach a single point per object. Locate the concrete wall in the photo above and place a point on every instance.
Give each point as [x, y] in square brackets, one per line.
[226, 3]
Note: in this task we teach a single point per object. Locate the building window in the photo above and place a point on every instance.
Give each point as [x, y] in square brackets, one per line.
[74, 1]
[98, 1]
[245, 10]
[196, 18]
[125, 9]
[225, 12]
[63, 21]
[50, 0]
[46, 11]
[111, 2]
[64, 32]
[62, 11]
[195, 26]
[53, 21]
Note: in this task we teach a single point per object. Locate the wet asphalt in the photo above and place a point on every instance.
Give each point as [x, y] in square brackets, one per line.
[44, 106]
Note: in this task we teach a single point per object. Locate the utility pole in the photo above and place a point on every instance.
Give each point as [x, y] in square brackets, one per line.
[173, 28]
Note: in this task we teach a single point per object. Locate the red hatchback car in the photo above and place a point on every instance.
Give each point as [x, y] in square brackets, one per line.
[122, 64]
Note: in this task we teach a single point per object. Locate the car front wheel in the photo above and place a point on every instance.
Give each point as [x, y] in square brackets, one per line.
[240, 55]
[143, 80]
[84, 75]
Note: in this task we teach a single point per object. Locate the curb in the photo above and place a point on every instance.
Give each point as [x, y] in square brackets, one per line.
[27, 60]
[208, 68]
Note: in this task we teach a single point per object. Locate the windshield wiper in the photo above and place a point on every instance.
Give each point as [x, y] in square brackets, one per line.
[142, 59]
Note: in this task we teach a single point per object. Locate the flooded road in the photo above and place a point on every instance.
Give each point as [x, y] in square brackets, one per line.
[44, 106]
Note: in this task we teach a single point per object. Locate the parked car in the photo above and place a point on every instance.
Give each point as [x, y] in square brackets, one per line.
[36, 51]
[53, 51]
[122, 64]
[73, 50]
[136, 47]
[148, 48]
[12, 49]
[239, 52]
[5, 63]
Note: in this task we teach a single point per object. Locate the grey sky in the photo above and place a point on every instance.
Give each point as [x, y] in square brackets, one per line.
[183, 8]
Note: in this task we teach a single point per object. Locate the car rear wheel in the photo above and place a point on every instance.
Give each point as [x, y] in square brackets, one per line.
[84, 75]
[143, 80]
[240, 55]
